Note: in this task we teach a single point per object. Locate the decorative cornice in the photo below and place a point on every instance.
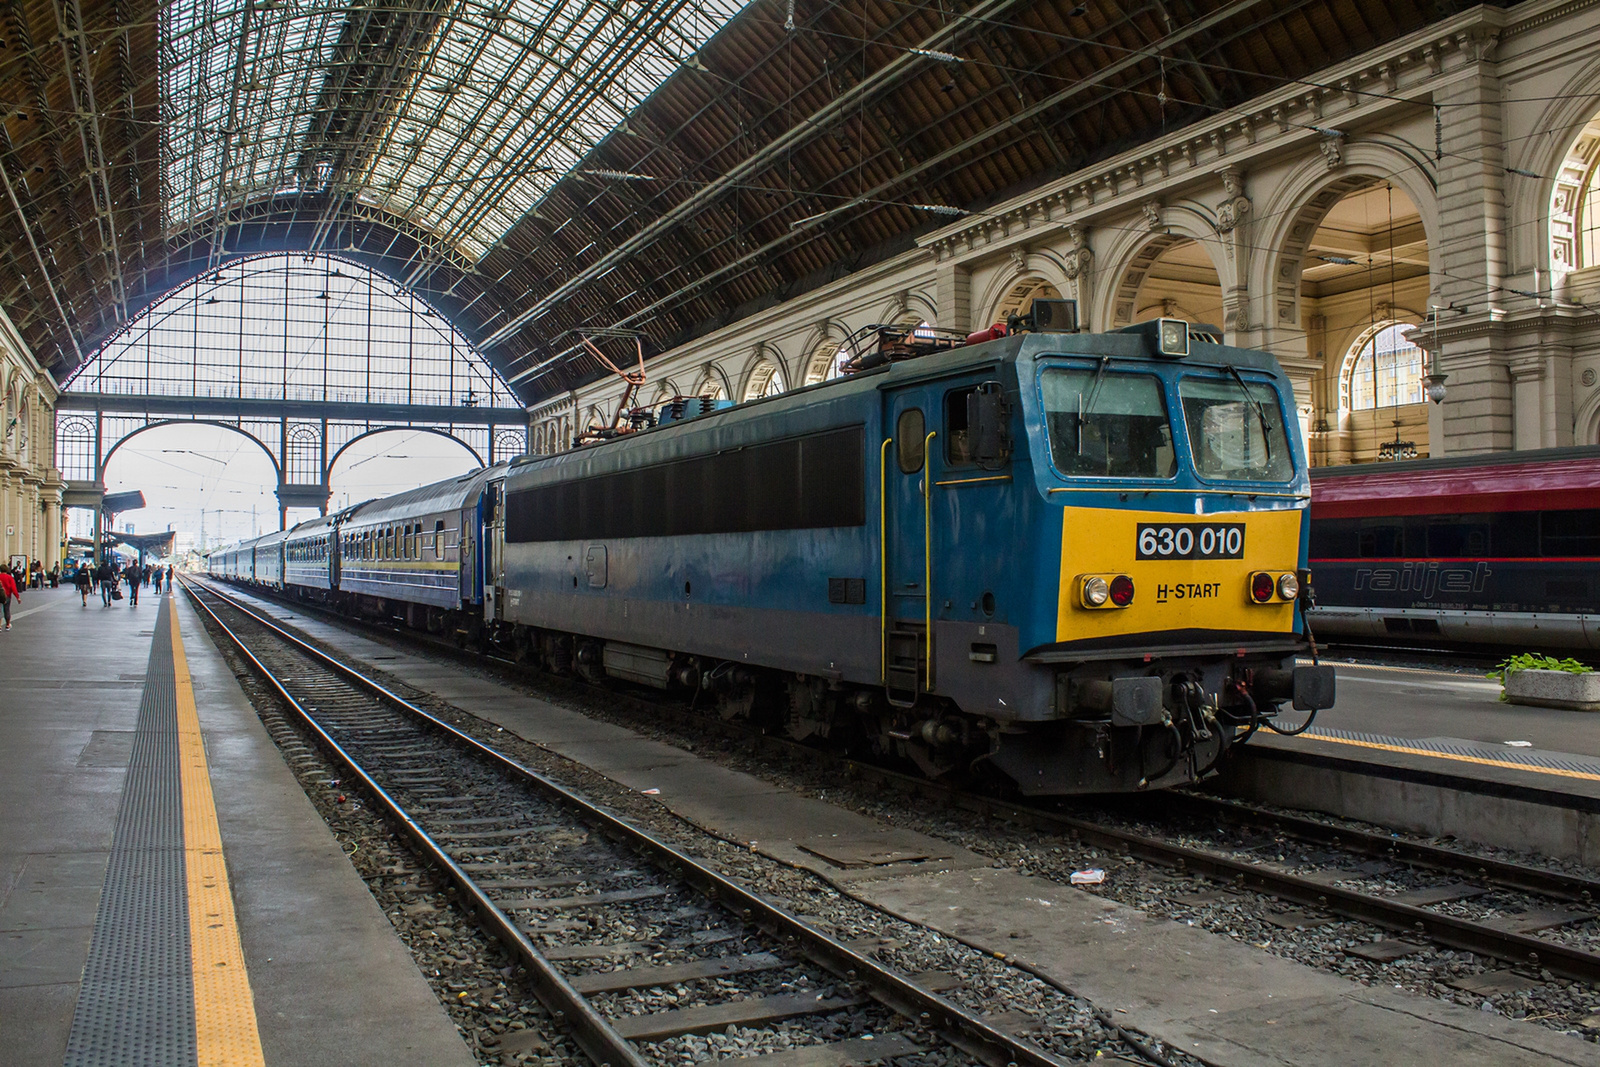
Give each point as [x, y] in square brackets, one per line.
[1297, 116]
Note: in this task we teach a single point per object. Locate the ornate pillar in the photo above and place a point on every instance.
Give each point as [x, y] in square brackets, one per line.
[1481, 412]
[953, 291]
[1080, 272]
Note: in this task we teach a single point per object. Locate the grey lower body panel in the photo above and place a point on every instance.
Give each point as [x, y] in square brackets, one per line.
[1541, 629]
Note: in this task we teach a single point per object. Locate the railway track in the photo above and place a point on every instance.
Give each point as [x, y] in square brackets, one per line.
[597, 911]
[1413, 916]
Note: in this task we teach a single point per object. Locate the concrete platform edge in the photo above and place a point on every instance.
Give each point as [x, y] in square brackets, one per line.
[332, 981]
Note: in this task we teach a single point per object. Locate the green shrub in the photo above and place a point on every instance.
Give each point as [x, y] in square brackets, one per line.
[1528, 661]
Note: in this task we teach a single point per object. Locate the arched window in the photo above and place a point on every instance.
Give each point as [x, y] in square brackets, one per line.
[825, 362]
[1384, 370]
[1589, 219]
[1018, 300]
[711, 388]
[764, 381]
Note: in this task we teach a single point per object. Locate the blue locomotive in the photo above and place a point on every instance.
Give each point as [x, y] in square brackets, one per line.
[1072, 560]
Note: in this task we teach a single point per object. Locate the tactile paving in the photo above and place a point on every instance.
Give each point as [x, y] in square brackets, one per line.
[136, 1002]
[1522, 757]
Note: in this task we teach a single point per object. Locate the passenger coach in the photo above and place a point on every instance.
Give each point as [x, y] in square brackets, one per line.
[1491, 550]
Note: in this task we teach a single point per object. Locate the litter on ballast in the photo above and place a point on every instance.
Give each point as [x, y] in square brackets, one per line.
[1092, 876]
[651, 792]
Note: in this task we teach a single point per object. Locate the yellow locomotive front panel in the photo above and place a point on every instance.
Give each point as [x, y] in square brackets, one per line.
[1129, 572]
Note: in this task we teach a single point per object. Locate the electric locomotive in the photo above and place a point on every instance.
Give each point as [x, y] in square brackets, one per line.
[1073, 560]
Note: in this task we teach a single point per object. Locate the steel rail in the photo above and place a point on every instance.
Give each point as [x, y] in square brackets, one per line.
[589, 1029]
[1503, 873]
[1512, 948]
[962, 1028]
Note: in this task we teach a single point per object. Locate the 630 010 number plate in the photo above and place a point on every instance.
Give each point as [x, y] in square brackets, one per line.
[1190, 540]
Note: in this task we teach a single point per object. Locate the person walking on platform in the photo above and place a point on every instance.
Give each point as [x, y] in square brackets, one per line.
[155, 581]
[107, 577]
[55, 576]
[133, 575]
[8, 593]
[84, 580]
[169, 577]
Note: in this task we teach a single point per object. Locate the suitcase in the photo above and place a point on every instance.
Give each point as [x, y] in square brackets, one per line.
[116, 594]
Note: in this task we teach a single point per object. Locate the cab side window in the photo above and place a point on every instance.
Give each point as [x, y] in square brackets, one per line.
[957, 442]
[910, 431]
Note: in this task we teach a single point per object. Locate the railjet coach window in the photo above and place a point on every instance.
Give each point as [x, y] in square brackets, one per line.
[1107, 425]
[1235, 435]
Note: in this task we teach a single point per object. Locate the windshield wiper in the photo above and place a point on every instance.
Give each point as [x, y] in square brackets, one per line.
[1086, 407]
[1261, 413]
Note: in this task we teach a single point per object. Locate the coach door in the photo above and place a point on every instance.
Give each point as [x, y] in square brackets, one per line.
[907, 638]
[494, 542]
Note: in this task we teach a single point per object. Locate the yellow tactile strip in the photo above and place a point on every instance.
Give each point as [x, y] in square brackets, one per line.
[224, 1009]
[1560, 772]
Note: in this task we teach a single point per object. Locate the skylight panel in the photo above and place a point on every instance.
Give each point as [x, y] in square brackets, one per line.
[234, 116]
[513, 97]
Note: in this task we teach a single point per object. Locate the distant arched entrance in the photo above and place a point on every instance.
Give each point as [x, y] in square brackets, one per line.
[303, 354]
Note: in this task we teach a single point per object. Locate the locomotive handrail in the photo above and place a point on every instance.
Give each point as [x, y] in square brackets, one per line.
[883, 561]
[974, 481]
[927, 553]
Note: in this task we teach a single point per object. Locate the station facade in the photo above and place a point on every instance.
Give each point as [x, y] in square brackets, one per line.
[1422, 209]
[30, 485]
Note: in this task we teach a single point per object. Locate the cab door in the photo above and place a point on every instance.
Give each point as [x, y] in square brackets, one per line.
[907, 635]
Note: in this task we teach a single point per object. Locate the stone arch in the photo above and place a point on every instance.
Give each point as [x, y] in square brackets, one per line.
[1586, 420]
[252, 438]
[1530, 192]
[1033, 275]
[9, 413]
[764, 372]
[914, 309]
[823, 362]
[1134, 248]
[1126, 306]
[334, 459]
[714, 383]
[1298, 206]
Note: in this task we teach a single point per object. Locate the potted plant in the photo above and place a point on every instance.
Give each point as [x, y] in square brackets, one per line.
[1547, 682]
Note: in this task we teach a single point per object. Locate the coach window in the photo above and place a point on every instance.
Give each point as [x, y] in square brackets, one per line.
[910, 437]
[438, 539]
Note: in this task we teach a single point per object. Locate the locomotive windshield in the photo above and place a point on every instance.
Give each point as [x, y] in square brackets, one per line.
[1235, 429]
[1108, 424]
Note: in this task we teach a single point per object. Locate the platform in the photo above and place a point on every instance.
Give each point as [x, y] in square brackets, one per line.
[1227, 1002]
[168, 895]
[1437, 752]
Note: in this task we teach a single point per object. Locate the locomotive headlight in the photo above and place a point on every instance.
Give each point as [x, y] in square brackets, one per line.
[1122, 590]
[1288, 586]
[1262, 587]
[1095, 592]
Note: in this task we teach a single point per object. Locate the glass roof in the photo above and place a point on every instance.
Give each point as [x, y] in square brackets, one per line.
[493, 104]
[295, 327]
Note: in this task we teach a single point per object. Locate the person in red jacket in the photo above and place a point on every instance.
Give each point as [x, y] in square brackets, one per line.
[8, 593]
